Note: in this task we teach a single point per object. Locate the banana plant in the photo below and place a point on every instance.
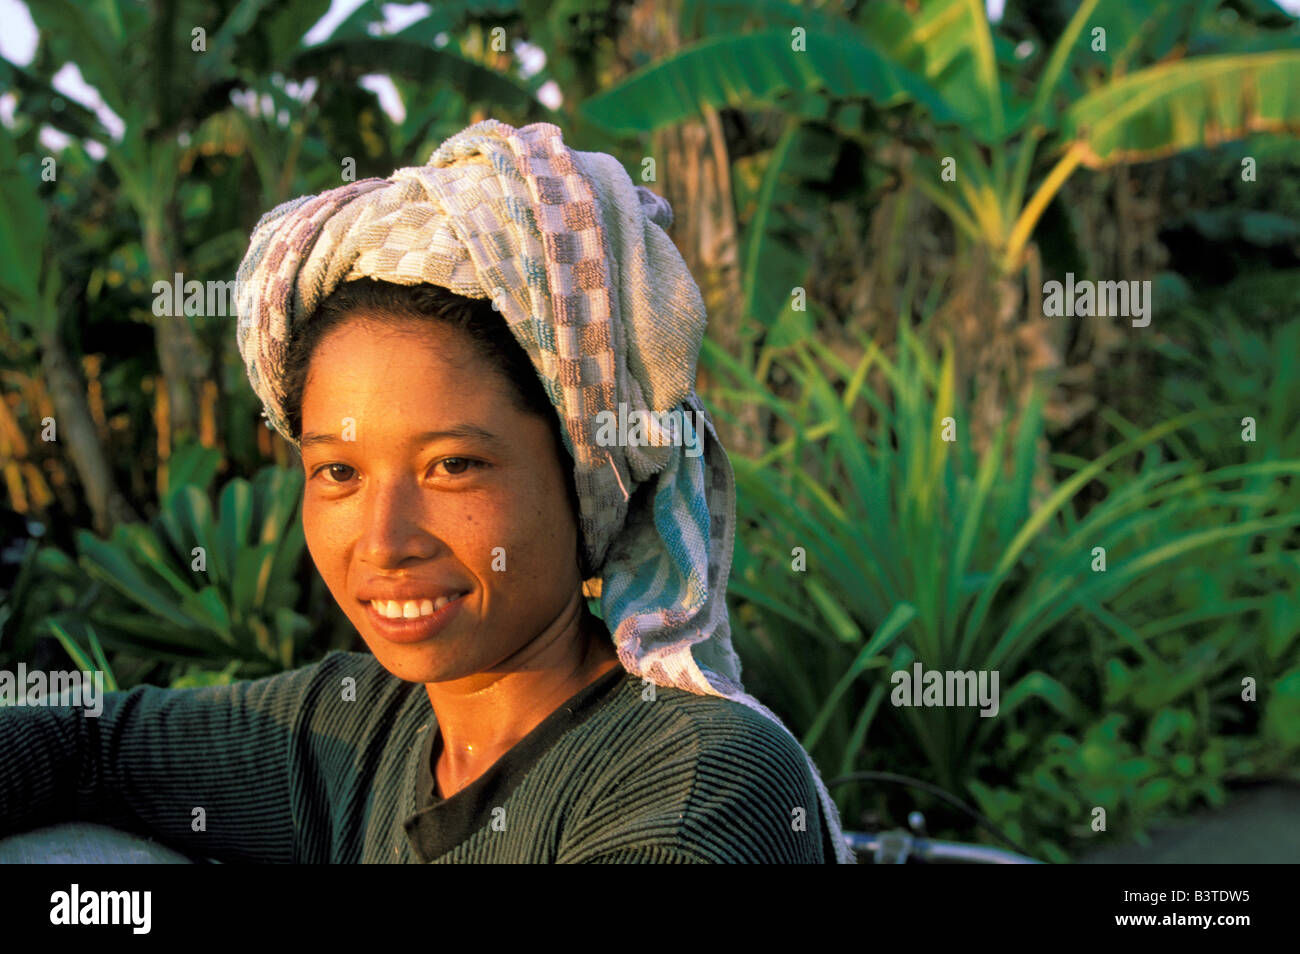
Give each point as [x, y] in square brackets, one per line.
[168, 72]
[945, 61]
[826, 75]
[1131, 115]
[158, 69]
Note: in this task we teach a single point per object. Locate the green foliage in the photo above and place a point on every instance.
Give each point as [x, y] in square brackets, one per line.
[237, 610]
[1184, 105]
[1120, 689]
[1282, 723]
[422, 65]
[87, 663]
[27, 289]
[1097, 766]
[965, 564]
[774, 259]
[46, 584]
[1247, 370]
[198, 676]
[758, 68]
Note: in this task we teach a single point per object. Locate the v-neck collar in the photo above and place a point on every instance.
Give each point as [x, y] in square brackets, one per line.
[439, 824]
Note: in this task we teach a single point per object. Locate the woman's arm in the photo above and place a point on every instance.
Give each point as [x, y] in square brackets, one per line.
[208, 771]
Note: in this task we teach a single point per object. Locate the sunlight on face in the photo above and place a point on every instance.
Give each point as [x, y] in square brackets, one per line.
[443, 470]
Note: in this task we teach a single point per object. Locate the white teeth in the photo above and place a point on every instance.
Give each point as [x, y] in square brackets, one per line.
[411, 609]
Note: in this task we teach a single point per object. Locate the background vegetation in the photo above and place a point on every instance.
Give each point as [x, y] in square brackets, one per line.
[857, 296]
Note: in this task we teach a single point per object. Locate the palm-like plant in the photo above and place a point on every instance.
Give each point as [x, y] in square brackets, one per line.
[207, 586]
[912, 547]
[161, 87]
[1094, 104]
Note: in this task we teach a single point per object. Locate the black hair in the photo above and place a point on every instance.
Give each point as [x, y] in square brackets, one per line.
[389, 303]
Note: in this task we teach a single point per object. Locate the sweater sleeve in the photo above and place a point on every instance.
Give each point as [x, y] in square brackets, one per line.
[208, 771]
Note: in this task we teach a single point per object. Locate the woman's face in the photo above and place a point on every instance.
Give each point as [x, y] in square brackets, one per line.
[424, 480]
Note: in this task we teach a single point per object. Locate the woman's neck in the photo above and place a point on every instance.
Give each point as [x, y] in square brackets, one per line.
[482, 717]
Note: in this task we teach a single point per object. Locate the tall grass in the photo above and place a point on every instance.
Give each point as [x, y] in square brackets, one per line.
[917, 549]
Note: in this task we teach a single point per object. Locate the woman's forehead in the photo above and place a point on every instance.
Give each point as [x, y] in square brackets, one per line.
[369, 343]
[417, 373]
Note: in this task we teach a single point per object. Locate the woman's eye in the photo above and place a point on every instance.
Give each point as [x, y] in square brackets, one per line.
[333, 470]
[455, 466]
[452, 467]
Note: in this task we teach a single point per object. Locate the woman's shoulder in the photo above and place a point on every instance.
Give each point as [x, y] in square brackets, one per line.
[714, 721]
[722, 738]
[702, 775]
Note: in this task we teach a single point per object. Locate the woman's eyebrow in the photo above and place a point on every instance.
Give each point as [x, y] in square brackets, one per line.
[464, 431]
[467, 431]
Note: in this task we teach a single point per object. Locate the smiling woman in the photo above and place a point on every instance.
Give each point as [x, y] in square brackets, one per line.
[445, 524]
[440, 346]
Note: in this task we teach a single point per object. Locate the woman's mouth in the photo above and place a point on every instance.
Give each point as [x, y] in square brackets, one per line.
[414, 620]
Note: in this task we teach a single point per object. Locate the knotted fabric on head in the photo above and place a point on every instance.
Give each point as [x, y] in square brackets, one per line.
[576, 259]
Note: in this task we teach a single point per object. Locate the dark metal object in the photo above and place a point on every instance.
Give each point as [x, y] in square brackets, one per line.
[899, 847]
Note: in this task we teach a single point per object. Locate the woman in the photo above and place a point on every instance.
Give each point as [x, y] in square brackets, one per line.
[448, 348]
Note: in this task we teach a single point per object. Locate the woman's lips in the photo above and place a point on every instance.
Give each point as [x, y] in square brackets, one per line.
[415, 629]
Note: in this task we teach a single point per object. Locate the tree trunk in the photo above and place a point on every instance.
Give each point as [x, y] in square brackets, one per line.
[706, 233]
[76, 429]
[1002, 344]
[694, 175]
[180, 356]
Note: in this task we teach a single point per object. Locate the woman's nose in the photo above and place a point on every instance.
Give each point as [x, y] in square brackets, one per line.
[393, 531]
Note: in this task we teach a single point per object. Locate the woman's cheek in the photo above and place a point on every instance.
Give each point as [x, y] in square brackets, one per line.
[544, 552]
[311, 531]
[495, 547]
[491, 545]
[325, 533]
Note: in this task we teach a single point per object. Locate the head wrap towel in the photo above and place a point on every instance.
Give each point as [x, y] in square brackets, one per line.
[576, 259]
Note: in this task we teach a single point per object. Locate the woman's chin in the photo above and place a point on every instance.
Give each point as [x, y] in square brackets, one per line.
[420, 649]
[415, 663]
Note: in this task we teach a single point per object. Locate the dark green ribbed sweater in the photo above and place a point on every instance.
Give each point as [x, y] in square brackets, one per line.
[288, 769]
